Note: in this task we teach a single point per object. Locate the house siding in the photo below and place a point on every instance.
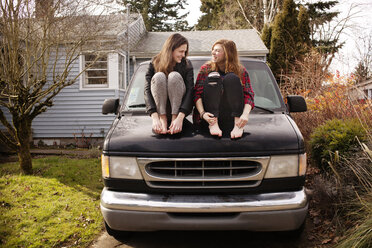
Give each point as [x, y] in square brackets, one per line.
[362, 91]
[75, 112]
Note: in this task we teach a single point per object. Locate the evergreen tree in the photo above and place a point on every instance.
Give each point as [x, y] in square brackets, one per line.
[362, 72]
[304, 42]
[320, 15]
[160, 15]
[284, 39]
[212, 9]
[266, 35]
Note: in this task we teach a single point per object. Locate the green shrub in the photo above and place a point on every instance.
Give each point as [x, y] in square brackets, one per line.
[335, 135]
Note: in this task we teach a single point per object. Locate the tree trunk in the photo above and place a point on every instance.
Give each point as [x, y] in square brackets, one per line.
[24, 154]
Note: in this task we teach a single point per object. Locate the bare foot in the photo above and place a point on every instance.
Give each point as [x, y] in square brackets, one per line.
[164, 123]
[236, 132]
[214, 129]
[176, 125]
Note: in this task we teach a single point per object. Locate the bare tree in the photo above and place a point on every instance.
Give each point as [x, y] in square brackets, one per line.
[270, 9]
[363, 70]
[306, 77]
[330, 33]
[232, 14]
[40, 40]
[259, 12]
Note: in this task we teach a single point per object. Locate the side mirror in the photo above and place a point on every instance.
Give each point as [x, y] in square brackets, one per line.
[110, 106]
[296, 104]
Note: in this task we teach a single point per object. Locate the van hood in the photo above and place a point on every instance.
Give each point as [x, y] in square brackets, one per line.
[264, 135]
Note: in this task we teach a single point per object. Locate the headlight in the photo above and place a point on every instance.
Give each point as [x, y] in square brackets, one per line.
[286, 166]
[120, 167]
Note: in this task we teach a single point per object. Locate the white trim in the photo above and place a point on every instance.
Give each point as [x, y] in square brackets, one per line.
[82, 76]
[124, 70]
[112, 73]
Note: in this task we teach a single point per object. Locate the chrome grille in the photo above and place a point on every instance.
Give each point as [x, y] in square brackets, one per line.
[202, 168]
[203, 173]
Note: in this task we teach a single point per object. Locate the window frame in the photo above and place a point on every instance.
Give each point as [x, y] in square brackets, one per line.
[123, 72]
[84, 79]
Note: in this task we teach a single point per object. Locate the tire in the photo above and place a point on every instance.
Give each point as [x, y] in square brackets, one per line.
[119, 235]
[296, 234]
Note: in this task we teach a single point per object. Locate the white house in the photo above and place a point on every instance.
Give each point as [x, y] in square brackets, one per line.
[362, 91]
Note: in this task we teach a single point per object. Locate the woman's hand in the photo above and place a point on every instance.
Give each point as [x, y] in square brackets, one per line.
[243, 120]
[209, 117]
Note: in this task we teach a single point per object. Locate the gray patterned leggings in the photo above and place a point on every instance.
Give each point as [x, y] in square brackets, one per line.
[163, 88]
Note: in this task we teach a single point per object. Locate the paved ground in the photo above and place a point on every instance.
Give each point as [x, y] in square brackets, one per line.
[204, 239]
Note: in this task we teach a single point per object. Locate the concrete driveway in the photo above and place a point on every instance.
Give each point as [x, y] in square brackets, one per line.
[203, 239]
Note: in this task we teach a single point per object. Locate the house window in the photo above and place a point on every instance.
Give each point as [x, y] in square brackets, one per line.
[95, 74]
[121, 71]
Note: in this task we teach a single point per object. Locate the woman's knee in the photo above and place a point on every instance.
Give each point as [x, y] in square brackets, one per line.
[159, 77]
[175, 82]
[175, 78]
[232, 78]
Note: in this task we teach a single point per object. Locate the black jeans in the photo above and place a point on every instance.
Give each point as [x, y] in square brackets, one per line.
[224, 98]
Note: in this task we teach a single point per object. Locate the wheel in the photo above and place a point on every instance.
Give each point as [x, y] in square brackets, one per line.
[296, 234]
[119, 235]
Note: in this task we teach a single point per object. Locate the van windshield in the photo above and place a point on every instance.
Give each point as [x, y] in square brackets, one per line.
[266, 91]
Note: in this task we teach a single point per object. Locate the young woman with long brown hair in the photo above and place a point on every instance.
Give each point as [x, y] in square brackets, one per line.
[223, 92]
[169, 86]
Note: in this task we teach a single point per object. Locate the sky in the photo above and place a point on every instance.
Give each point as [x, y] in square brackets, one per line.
[360, 25]
[194, 11]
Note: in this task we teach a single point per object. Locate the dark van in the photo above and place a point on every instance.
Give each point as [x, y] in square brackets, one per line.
[193, 181]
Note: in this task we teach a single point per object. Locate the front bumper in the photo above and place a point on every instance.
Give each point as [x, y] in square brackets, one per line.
[259, 212]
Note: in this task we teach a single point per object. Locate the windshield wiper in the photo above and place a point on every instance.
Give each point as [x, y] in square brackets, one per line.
[262, 108]
[141, 105]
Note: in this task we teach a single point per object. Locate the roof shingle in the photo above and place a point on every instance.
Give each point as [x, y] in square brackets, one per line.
[247, 41]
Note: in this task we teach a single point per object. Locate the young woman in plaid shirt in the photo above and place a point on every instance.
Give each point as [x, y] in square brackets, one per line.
[223, 92]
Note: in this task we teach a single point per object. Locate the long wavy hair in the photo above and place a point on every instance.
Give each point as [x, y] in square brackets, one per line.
[232, 63]
[163, 61]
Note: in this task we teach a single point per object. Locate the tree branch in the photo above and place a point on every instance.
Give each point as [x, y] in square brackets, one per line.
[246, 18]
[5, 139]
[6, 124]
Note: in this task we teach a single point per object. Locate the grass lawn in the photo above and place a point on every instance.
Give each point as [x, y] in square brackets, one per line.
[58, 206]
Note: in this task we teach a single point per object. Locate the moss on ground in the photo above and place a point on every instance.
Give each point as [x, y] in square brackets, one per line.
[57, 206]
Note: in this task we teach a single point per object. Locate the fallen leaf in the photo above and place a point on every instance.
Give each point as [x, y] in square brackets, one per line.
[327, 222]
[311, 238]
[314, 213]
[336, 239]
[316, 221]
[326, 241]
